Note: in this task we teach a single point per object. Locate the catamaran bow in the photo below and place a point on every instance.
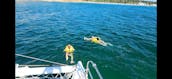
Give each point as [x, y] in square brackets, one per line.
[58, 71]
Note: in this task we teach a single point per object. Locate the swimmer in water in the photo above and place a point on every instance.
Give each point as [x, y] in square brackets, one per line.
[69, 52]
[97, 40]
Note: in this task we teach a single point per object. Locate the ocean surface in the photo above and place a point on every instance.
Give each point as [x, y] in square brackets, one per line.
[43, 29]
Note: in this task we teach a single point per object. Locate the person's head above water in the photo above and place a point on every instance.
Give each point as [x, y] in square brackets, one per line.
[98, 38]
[69, 46]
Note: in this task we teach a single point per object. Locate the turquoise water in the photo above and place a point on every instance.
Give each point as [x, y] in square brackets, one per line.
[43, 29]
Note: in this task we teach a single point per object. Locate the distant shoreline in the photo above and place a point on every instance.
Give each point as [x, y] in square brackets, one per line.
[140, 4]
[79, 1]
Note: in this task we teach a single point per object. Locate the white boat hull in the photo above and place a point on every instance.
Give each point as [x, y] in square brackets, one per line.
[70, 71]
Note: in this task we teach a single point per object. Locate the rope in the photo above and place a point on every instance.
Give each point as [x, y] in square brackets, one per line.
[91, 76]
[40, 59]
[34, 65]
[95, 67]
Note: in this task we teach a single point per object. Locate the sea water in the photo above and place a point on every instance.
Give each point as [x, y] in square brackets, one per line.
[43, 29]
